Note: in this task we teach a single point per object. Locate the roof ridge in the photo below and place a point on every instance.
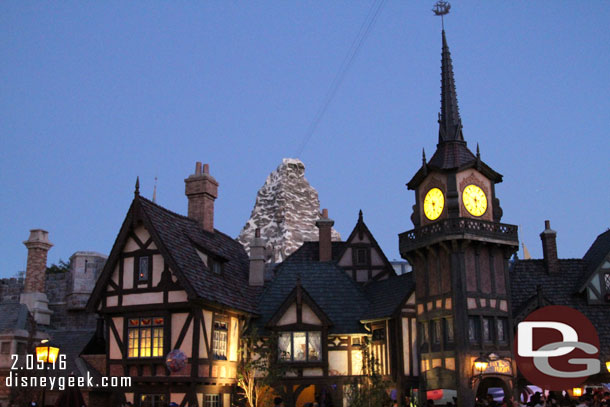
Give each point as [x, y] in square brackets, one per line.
[165, 209]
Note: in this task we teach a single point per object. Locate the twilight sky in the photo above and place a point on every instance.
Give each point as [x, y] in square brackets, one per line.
[93, 94]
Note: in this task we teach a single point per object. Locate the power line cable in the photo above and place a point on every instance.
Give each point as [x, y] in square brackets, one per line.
[353, 51]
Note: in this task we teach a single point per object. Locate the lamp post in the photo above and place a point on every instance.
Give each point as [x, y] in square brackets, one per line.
[608, 365]
[46, 353]
[479, 365]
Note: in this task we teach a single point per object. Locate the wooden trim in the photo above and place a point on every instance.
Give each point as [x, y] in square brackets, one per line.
[185, 327]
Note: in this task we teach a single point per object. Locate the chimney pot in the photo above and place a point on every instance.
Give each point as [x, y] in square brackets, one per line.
[549, 248]
[206, 168]
[201, 190]
[324, 241]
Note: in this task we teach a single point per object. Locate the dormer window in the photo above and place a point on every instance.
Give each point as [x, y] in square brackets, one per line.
[215, 266]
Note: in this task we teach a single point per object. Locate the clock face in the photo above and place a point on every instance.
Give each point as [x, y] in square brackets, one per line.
[474, 200]
[434, 202]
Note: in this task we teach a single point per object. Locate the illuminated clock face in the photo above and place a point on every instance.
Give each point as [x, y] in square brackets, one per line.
[474, 200]
[434, 202]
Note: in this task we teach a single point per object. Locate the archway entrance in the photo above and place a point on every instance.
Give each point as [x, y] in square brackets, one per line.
[497, 387]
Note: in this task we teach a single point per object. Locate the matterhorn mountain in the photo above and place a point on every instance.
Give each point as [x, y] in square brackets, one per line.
[286, 211]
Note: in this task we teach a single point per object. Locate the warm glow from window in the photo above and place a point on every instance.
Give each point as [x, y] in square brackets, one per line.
[577, 391]
[608, 365]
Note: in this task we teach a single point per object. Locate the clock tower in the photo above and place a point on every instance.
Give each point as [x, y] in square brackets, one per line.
[459, 251]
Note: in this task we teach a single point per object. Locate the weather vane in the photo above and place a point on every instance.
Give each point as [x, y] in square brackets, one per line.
[440, 9]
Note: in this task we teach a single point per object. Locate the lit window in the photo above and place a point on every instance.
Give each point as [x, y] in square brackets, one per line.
[219, 345]
[300, 347]
[143, 269]
[212, 400]
[153, 400]
[145, 337]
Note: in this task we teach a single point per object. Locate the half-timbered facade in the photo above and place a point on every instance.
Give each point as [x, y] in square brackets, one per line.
[175, 282]
[337, 310]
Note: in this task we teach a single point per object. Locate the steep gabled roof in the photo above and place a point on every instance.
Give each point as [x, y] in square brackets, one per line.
[387, 296]
[594, 257]
[361, 230]
[558, 288]
[337, 295]
[178, 239]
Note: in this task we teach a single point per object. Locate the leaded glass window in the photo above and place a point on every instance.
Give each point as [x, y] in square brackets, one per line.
[607, 282]
[219, 345]
[300, 347]
[449, 330]
[501, 325]
[145, 337]
[487, 330]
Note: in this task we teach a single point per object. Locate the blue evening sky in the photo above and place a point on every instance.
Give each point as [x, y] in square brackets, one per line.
[93, 94]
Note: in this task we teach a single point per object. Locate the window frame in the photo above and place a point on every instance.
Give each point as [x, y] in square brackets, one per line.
[474, 322]
[356, 249]
[153, 330]
[212, 403]
[307, 333]
[215, 331]
[448, 327]
[5, 347]
[137, 281]
[164, 403]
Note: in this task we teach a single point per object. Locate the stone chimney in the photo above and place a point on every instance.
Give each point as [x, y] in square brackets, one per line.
[257, 260]
[34, 295]
[549, 248]
[201, 190]
[325, 226]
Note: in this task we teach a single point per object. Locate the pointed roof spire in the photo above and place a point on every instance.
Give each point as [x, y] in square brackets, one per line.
[137, 190]
[360, 216]
[450, 123]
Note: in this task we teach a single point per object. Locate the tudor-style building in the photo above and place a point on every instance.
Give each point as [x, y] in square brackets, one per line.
[333, 303]
[459, 251]
[175, 282]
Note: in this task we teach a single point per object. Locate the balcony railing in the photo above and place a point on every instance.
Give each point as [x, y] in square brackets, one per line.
[460, 228]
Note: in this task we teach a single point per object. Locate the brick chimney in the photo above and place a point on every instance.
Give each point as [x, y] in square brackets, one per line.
[34, 294]
[38, 246]
[201, 190]
[325, 227]
[549, 248]
[257, 260]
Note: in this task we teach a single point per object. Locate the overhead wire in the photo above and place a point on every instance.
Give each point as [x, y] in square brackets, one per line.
[353, 51]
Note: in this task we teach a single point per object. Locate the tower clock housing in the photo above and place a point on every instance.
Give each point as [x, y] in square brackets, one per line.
[459, 251]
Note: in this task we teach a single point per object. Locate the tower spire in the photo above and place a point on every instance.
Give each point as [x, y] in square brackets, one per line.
[450, 123]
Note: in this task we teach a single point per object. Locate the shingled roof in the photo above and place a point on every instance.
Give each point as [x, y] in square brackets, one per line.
[387, 295]
[182, 236]
[558, 288]
[594, 257]
[178, 238]
[310, 251]
[339, 297]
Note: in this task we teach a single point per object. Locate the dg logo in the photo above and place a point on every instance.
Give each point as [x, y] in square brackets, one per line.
[557, 348]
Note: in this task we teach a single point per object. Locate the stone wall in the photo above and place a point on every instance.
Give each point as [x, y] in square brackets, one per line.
[11, 289]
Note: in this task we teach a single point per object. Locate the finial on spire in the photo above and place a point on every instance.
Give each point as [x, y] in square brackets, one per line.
[423, 156]
[360, 216]
[137, 190]
[155, 192]
[478, 152]
[440, 9]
